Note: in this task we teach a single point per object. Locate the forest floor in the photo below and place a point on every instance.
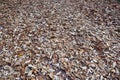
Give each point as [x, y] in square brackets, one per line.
[59, 40]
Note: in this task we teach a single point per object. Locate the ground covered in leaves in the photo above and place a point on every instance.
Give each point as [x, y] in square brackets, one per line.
[59, 40]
